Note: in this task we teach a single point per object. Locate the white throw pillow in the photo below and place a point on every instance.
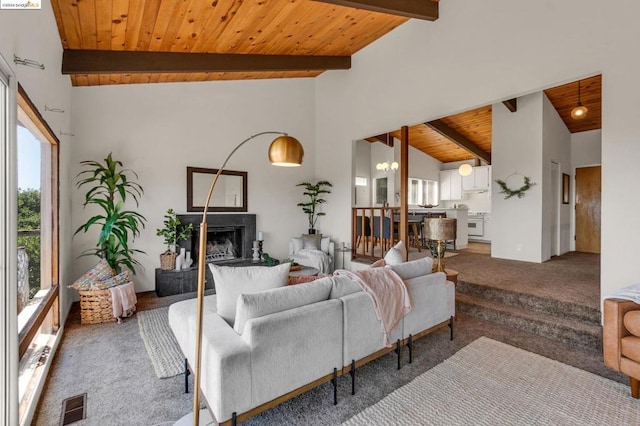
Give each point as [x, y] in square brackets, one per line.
[325, 244]
[414, 268]
[230, 282]
[257, 305]
[396, 254]
[297, 244]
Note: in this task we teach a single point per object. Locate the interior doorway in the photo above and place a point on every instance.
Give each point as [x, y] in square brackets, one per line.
[588, 195]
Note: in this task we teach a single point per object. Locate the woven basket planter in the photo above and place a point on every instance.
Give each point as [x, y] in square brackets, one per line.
[96, 306]
[168, 260]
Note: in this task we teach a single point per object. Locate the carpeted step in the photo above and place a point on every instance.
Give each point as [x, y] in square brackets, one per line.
[566, 330]
[554, 307]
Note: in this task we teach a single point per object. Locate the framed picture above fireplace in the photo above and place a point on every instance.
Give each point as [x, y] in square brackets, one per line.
[230, 194]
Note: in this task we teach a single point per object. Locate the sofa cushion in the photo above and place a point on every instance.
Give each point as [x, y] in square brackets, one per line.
[231, 282]
[414, 268]
[630, 347]
[632, 322]
[396, 254]
[257, 305]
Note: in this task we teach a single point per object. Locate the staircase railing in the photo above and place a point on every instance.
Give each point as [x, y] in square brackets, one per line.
[373, 231]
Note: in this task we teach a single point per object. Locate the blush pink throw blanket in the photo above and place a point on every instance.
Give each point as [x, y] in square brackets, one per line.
[123, 299]
[387, 292]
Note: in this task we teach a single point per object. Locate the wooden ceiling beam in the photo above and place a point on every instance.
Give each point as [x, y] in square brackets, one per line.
[418, 9]
[459, 139]
[511, 104]
[75, 61]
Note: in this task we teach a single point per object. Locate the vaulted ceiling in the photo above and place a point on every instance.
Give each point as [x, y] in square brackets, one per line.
[467, 135]
[150, 41]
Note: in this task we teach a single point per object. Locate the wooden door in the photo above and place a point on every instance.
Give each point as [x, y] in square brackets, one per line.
[588, 189]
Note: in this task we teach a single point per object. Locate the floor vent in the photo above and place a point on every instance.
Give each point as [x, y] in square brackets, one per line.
[73, 409]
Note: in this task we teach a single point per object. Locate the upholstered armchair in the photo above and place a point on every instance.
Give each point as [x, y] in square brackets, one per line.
[314, 251]
[621, 339]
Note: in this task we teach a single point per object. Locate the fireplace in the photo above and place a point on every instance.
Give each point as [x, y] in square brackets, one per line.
[229, 237]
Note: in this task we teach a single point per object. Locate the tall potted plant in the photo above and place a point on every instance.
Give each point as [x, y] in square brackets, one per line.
[109, 187]
[314, 191]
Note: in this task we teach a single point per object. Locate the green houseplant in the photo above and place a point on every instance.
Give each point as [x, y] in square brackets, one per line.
[314, 191]
[109, 187]
[173, 233]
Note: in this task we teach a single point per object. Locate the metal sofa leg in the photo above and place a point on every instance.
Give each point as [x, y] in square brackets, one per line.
[451, 327]
[410, 346]
[186, 376]
[352, 373]
[335, 386]
[234, 419]
[399, 352]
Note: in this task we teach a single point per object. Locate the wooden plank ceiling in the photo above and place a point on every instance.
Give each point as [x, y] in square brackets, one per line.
[475, 125]
[256, 27]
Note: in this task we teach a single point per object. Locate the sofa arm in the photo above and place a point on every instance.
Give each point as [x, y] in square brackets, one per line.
[225, 367]
[614, 330]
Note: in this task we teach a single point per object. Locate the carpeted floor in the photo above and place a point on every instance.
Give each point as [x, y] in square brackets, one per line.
[503, 385]
[109, 362]
[573, 277]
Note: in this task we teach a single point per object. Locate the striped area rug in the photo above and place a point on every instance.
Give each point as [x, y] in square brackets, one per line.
[162, 347]
[492, 383]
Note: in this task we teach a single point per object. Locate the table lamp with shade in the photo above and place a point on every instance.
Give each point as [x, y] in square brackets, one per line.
[284, 151]
[440, 230]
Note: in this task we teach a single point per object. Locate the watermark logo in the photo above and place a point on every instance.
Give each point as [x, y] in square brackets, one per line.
[19, 4]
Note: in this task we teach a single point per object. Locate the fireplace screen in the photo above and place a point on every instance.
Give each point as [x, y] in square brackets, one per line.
[222, 244]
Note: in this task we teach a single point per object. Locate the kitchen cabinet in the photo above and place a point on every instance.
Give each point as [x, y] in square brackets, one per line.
[479, 180]
[450, 185]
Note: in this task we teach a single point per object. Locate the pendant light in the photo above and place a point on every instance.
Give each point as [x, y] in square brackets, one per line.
[580, 111]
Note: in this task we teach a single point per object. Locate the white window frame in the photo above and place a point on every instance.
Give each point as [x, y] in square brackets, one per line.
[8, 248]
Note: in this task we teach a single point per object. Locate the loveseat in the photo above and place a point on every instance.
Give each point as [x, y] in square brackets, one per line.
[287, 340]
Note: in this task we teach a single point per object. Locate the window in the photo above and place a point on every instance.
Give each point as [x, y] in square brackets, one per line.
[37, 213]
[8, 332]
[423, 192]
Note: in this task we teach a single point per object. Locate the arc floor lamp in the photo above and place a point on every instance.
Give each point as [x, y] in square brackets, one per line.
[284, 151]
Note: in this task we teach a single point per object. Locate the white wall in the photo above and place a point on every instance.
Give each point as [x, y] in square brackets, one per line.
[556, 148]
[381, 153]
[586, 148]
[33, 34]
[159, 129]
[423, 166]
[517, 152]
[362, 168]
[442, 73]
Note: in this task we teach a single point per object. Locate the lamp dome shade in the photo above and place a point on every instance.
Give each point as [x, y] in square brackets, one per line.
[286, 151]
[579, 112]
[465, 169]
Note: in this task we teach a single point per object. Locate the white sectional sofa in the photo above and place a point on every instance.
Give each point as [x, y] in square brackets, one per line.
[287, 340]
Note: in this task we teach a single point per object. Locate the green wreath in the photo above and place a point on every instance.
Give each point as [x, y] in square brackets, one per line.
[504, 189]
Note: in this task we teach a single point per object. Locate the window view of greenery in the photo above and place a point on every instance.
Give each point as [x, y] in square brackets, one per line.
[29, 215]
